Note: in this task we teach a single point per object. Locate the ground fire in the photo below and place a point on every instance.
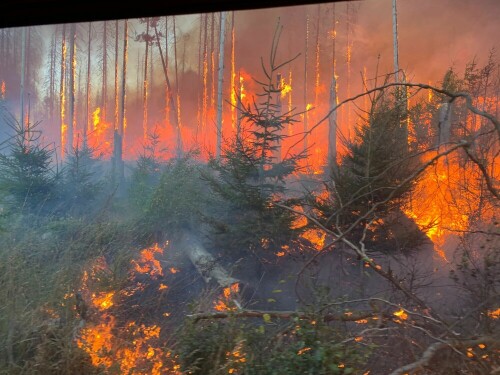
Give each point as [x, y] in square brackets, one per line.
[293, 190]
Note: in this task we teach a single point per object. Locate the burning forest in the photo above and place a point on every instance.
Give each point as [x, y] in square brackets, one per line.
[298, 190]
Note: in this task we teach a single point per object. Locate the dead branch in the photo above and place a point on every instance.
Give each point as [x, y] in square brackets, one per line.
[434, 348]
[341, 317]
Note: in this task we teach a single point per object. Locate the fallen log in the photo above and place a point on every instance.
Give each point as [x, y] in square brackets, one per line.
[206, 264]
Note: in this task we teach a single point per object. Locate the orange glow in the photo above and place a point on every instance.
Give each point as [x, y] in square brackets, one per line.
[316, 237]
[401, 314]
[285, 88]
[128, 347]
[303, 350]
[495, 314]
[440, 205]
[2, 90]
[101, 135]
[235, 358]
[103, 301]
[225, 302]
[147, 262]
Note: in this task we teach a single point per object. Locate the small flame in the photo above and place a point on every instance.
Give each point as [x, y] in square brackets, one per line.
[401, 314]
[495, 314]
[225, 302]
[285, 88]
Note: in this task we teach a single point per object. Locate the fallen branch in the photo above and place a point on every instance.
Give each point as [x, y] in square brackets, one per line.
[434, 348]
[341, 317]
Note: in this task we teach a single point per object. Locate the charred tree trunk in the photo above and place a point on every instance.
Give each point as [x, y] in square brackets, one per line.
[104, 89]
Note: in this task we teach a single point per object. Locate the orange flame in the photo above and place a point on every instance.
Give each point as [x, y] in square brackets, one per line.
[130, 348]
[225, 302]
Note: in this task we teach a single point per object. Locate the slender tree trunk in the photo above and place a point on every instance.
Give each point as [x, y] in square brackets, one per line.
[145, 87]
[220, 83]
[200, 81]
[52, 84]
[395, 40]
[238, 108]
[332, 119]
[23, 73]
[62, 95]
[104, 100]
[233, 75]
[167, 93]
[306, 127]
[212, 61]
[317, 65]
[119, 133]
[177, 82]
[179, 143]
[116, 126]
[72, 86]
[88, 122]
[205, 78]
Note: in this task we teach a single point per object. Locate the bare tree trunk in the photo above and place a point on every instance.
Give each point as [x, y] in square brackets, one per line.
[205, 78]
[167, 93]
[238, 107]
[205, 263]
[116, 78]
[212, 61]
[62, 95]
[332, 119]
[88, 122]
[72, 86]
[332, 127]
[233, 75]
[220, 83]
[395, 40]
[180, 147]
[145, 87]
[200, 81]
[306, 127]
[52, 79]
[104, 89]
[444, 125]
[177, 83]
[317, 65]
[120, 132]
[23, 73]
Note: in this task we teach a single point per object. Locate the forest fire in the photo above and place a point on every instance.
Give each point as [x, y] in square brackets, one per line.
[316, 222]
[115, 344]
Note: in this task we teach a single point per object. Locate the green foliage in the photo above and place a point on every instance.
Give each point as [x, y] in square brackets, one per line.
[81, 184]
[268, 348]
[373, 178]
[26, 171]
[179, 198]
[250, 176]
[145, 176]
